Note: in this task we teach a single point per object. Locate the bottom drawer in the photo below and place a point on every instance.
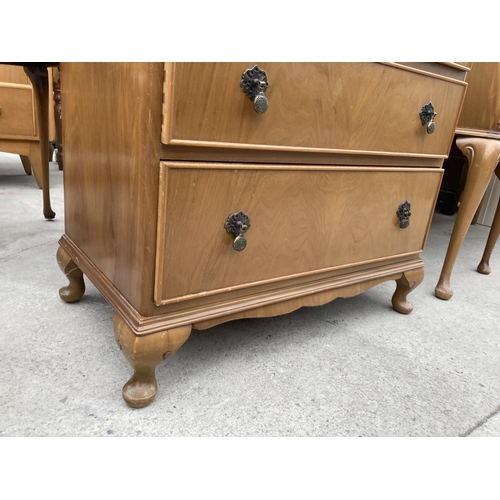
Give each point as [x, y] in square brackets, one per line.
[304, 220]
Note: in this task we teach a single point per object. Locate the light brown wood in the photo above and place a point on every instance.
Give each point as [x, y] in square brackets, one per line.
[407, 283]
[196, 310]
[252, 155]
[111, 189]
[144, 354]
[478, 137]
[17, 118]
[76, 288]
[37, 162]
[144, 219]
[445, 68]
[38, 76]
[26, 164]
[484, 266]
[381, 102]
[24, 122]
[344, 290]
[442, 70]
[481, 109]
[13, 74]
[292, 211]
[483, 156]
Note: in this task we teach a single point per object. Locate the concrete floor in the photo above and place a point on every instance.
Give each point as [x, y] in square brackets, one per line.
[353, 367]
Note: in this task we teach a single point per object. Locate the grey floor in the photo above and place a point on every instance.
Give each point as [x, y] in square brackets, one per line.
[353, 367]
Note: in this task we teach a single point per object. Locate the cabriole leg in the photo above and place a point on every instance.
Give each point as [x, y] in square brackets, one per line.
[40, 157]
[483, 156]
[76, 288]
[484, 265]
[404, 285]
[144, 353]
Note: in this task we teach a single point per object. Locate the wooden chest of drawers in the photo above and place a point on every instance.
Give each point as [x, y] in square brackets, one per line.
[187, 208]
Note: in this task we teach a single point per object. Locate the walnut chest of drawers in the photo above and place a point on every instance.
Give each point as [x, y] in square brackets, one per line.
[198, 193]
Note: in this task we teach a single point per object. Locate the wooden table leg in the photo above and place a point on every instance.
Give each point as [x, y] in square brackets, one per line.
[40, 79]
[483, 155]
[484, 265]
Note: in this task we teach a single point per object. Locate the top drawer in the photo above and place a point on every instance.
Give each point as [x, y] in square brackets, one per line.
[339, 107]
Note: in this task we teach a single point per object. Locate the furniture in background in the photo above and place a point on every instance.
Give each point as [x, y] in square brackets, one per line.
[478, 138]
[198, 193]
[55, 80]
[484, 264]
[25, 121]
[454, 176]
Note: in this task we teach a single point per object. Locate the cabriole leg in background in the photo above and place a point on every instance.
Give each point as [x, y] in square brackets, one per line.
[40, 79]
[483, 155]
[76, 288]
[406, 284]
[484, 265]
[144, 353]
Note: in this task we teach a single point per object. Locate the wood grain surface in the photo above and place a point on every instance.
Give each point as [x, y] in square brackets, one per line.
[311, 223]
[481, 108]
[368, 107]
[111, 133]
[304, 220]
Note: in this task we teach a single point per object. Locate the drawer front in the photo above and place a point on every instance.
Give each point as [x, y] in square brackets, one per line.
[17, 115]
[366, 107]
[303, 221]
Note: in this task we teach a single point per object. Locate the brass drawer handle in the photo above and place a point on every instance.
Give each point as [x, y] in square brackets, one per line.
[236, 225]
[427, 115]
[254, 83]
[404, 215]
